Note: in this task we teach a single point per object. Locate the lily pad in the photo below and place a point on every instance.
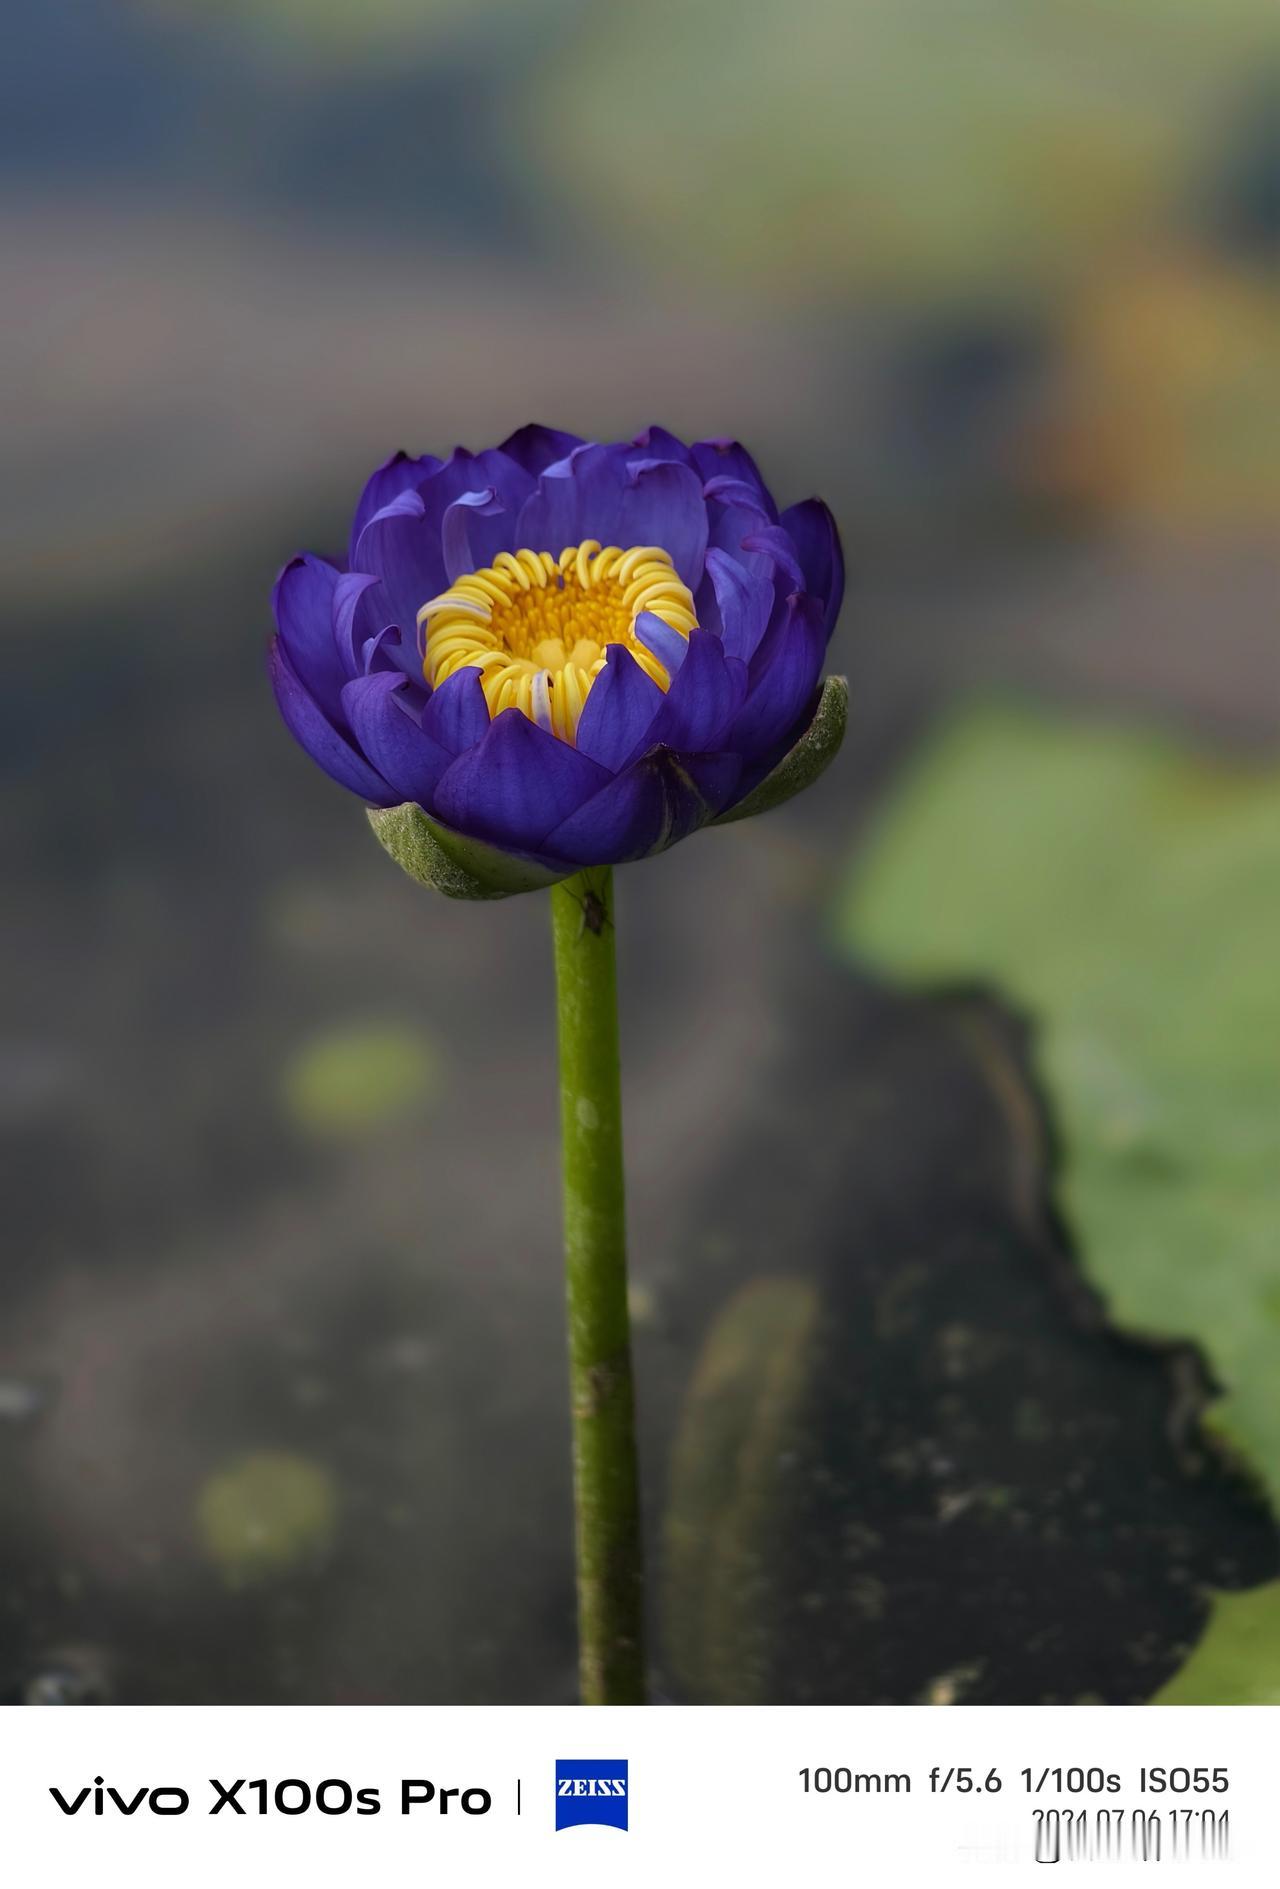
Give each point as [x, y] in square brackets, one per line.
[1235, 1662]
[1125, 890]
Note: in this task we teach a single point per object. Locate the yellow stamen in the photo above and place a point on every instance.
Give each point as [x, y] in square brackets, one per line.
[538, 628]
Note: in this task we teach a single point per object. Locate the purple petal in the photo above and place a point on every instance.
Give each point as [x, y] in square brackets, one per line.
[637, 813]
[399, 474]
[403, 543]
[774, 543]
[380, 644]
[491, 526]
[726, 459]
[473, 472]
[536, 447]
[654, 803]
[815, 535]
[743, 604]
[399, 546]
[702, 700]
[621, 704]
[736, 492]
[352, 624]
[515, 784]
[663, 505]
[312, 730]
[457, 715]
[465, 550]
[783, 679]
[303, 604]
[408, 760]
[730, 523]
[715, 776]
[656, 443]
[578, 497]
[658, 637]
[384, 652]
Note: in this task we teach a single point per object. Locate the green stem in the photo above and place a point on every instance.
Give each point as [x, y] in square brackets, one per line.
[605, 1478]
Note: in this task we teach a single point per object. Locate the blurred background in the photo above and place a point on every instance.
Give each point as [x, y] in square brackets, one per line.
[953, 1106]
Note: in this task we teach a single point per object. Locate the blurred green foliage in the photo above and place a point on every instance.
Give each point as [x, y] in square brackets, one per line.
[325, 31]
[1125, 891]
[265, 1514]
[816, 146]
[354, 1078]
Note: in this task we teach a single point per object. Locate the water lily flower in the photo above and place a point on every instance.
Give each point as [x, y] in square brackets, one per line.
[556, 654]
[537, 662]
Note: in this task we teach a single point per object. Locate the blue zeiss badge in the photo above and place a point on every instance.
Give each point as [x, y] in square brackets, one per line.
[591, 1790]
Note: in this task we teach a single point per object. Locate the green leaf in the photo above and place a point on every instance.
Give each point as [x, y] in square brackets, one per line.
[801, 766]
[1235, 1662]
[448, 862]
[1126, 891]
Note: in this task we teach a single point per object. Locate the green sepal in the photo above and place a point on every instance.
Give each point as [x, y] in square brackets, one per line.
[448, 862]
[800, 766]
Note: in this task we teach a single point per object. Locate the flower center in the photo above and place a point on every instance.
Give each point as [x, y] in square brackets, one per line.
[537, 627]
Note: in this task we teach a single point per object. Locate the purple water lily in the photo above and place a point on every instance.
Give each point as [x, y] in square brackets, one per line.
[537, 662]
[565, 654]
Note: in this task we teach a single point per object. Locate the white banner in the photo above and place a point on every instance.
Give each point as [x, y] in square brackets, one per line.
[207, 1796]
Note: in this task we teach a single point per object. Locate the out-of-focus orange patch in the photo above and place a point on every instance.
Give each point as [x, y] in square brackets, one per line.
[1167, 413]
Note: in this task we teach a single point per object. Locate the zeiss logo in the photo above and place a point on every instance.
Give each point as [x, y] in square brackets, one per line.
[591, 1790]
